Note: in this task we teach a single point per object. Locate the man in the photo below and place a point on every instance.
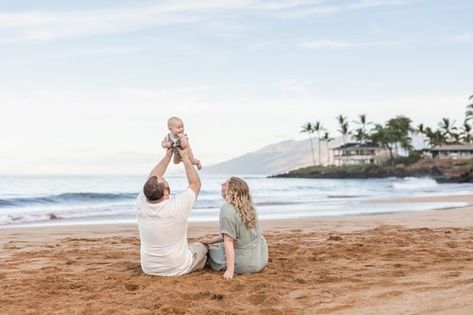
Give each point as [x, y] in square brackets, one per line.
[162, 222]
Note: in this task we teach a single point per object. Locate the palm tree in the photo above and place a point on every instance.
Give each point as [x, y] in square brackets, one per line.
[327, 139]
[400, 127]
[447, 128]
[420, 128]
[466, 136]
[318, 128]
[469, 111]
[383, 136]
[309, 129]
[359, 135]
[395, 132]
[435, 138]
[344, 130]
[363, 132]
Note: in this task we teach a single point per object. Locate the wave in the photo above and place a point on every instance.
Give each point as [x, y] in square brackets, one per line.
[412, 183]
[278, 203]
[343, 196]
[65, 197]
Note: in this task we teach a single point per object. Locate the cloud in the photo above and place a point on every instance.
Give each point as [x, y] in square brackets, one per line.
[39, 26]
[338, 44]
[53, 25]
[329, 9]
[363, 4]
[463, 38]
[83, 52]
[297, 86]
[304, 12]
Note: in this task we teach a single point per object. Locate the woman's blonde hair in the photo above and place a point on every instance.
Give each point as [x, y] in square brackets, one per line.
[238, 195]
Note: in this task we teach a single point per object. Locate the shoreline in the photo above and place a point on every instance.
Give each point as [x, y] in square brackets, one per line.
[357, 264]
[456, 217]
[441, 170]
[431, 203]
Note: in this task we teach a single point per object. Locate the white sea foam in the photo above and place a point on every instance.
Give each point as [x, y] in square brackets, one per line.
[54, 199]
[415, 184]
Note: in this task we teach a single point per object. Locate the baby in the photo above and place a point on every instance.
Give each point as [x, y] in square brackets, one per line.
[177, 139]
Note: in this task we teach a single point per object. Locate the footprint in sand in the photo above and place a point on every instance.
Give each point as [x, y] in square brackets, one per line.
[389, 294]
[334, 238]
[217, 296]
[451, 274]
[131, 286]
[257, 299]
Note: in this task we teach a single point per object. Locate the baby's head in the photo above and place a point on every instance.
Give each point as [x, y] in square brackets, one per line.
[175, 126]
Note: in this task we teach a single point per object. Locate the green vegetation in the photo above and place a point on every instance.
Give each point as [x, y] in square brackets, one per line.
[413, 157]
[349, 169]
[395, 134]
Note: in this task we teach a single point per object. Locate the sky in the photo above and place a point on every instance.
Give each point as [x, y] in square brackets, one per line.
[86, 87]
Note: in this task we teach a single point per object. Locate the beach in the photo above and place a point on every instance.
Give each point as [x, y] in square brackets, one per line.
[418, 262]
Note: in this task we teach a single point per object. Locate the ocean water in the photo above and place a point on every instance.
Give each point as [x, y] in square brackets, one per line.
[101, 199]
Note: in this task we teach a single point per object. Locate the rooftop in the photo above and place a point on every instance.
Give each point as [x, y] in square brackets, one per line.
[358, 146]
[453, 147]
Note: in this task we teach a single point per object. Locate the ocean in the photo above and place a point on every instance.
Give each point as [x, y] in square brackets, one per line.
[44, 200]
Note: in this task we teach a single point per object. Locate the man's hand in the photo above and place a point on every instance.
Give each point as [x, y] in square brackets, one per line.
[185, 153]
[191, 173]
[183, 141]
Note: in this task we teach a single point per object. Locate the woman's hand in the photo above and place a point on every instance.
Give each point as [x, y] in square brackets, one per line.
[206, 240]
[211, 240]
[228, 274]
[228, 244]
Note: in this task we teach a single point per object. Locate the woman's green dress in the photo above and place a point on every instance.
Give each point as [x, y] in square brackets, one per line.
[251, 249]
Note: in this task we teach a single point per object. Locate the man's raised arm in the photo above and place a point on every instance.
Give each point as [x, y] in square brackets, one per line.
[162, 166]
[192, 176]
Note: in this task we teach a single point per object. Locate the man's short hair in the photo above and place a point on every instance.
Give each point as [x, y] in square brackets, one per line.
[153, 190]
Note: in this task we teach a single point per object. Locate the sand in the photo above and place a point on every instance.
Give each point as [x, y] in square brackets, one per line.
[400, 263]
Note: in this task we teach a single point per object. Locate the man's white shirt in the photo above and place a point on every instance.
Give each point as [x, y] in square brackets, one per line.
[163, 234]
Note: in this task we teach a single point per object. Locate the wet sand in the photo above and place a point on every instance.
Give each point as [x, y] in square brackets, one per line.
[400, 263]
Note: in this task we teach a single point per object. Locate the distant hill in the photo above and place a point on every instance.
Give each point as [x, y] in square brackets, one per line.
[282, 157]
[273, 159]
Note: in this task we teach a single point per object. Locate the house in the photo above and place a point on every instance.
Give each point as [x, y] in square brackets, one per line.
[452, 151]
[359, 153]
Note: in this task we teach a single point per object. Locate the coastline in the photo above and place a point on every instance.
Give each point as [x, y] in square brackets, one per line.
[365, 220]
[441, 170]
[381, 263]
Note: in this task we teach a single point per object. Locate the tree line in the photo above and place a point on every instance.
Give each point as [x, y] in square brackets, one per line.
[393, 134]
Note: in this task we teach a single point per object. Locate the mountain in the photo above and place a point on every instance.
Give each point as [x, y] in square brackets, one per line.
[273, 159]
[285, 156]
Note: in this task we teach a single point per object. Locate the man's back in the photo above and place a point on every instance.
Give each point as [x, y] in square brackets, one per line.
[163, 234]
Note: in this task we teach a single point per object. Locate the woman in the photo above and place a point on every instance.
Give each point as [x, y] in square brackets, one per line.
[244, 248]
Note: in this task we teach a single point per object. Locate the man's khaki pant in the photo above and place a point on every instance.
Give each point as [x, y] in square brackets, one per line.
[199, 256]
